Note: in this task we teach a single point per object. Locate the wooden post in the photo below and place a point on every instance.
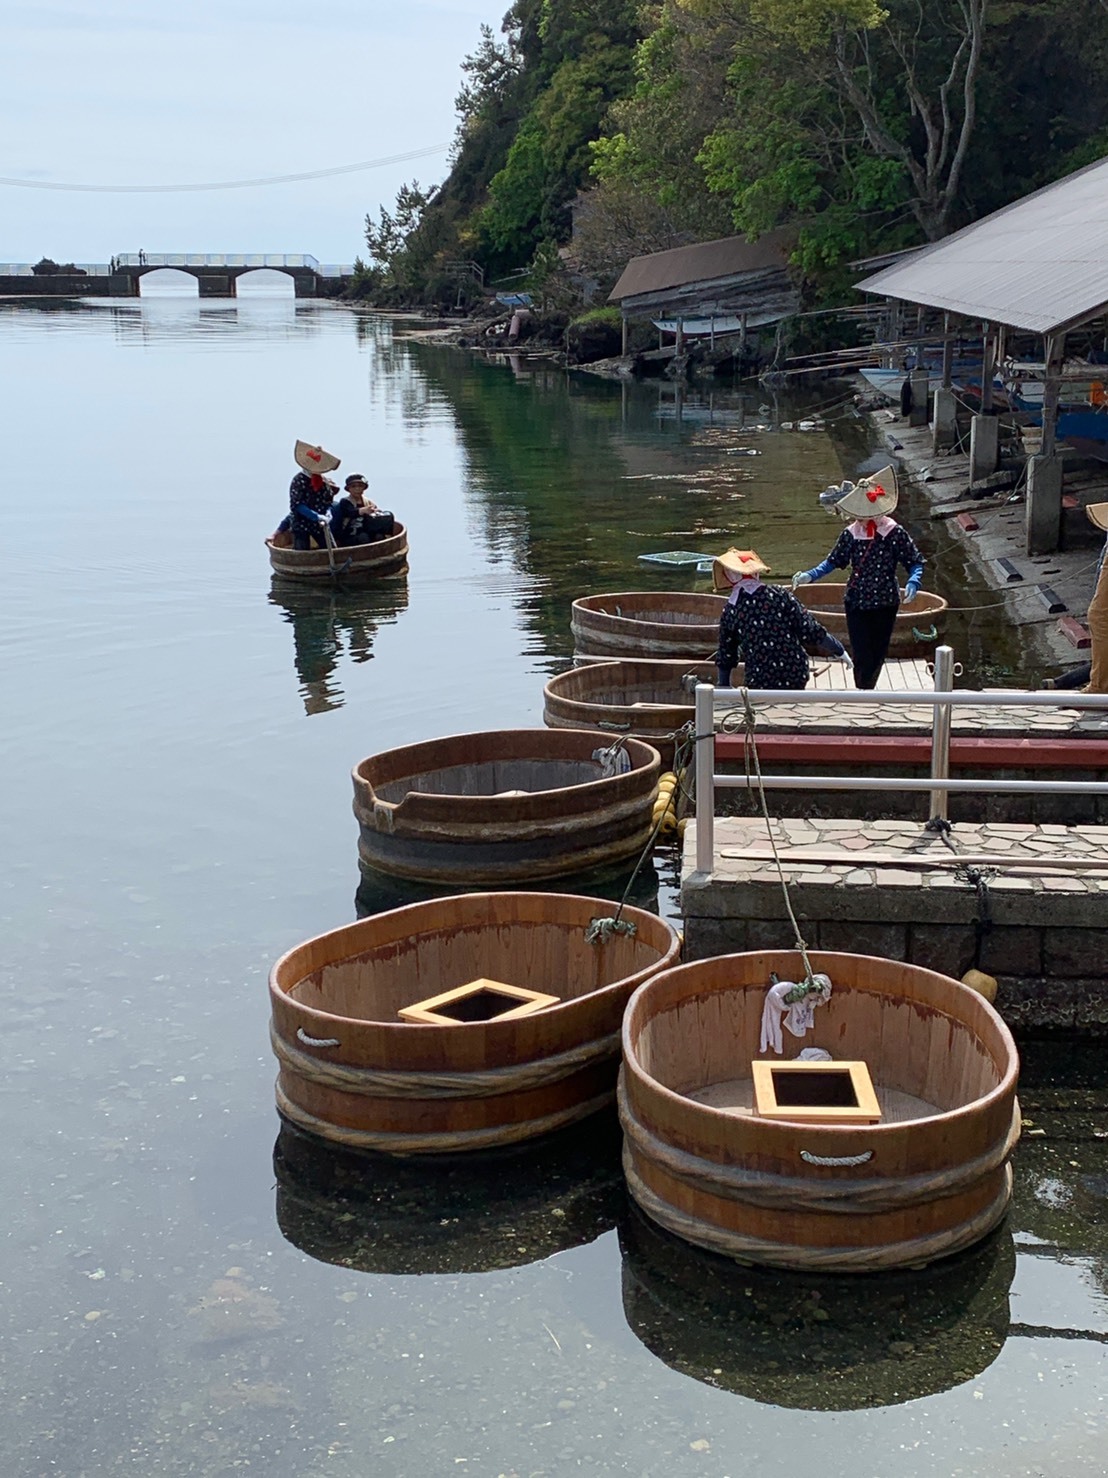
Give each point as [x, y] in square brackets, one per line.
[948, 354]
[623, 340]
[680, 344]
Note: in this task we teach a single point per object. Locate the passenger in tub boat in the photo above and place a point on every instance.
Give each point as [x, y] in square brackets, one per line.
[310, 496]
[356, 519]
[872, 547]
[767, 624]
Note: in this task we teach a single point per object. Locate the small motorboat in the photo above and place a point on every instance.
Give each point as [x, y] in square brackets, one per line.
[808, 1185]
[505, 807]
[348, 565]
[644, 700]
[675, 624]
[362, 1065]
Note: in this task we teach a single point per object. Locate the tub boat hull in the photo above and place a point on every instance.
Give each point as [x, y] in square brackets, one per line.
[929, 1180]
[356, 564]
[351, 1071]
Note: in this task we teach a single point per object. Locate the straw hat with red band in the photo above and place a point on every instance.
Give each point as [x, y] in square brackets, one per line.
[735, 565]
[1097, 513]
[873, 497]
[314, 458]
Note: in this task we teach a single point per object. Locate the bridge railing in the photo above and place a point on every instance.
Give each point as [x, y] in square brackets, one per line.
[217, 259]
[25, 269]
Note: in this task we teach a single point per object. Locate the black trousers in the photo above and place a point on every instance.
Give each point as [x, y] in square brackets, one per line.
[870, 633]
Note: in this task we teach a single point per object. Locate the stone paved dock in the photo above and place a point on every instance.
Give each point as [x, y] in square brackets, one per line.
[860, 886]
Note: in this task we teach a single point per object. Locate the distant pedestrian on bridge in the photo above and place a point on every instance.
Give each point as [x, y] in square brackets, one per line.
[310, 496]
[142, 257]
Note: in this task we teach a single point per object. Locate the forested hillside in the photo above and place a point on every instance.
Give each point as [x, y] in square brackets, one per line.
[632, 128]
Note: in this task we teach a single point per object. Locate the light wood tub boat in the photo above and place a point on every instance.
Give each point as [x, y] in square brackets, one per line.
[352, 1071]
[916, 629]
[506, 807]
[352, 565]
[638, 623]
[647, 700]
[929, 1180]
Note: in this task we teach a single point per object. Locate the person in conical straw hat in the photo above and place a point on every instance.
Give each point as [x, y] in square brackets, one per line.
[872, 547]
[1097, 617]
[766, 624]
[310, 495]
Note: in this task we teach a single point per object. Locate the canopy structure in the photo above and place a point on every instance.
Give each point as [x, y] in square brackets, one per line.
[1039, 265]
[731, 277]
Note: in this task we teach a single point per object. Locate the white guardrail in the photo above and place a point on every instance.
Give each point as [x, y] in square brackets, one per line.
[942, 700]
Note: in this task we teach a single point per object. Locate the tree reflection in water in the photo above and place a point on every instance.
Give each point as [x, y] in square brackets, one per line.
[330, 623]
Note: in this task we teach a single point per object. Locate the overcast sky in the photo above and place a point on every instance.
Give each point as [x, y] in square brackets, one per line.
[148, 92]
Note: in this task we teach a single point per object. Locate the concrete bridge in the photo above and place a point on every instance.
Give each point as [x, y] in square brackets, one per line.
[216, 274]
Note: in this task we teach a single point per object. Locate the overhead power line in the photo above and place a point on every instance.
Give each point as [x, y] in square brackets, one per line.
[275, 179]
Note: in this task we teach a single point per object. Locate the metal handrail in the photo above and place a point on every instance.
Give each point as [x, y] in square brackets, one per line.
[942, 700]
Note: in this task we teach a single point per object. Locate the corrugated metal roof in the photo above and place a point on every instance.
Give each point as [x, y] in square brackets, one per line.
[707, 261]
[1039, 264]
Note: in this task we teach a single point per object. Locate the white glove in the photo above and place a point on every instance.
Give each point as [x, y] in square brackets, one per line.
[846, 659]
[801, 577]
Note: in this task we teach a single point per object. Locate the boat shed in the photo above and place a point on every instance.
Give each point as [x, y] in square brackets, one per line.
[1039, 265]
[728, 278]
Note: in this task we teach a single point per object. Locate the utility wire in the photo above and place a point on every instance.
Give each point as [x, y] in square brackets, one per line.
[276, 179]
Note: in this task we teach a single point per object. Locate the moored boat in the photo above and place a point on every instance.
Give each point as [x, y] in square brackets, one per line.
[648, 700]
[673, 624]
[915, 631]
[506, 806]
[353, 1071]
[927, 1180]
[348, 565]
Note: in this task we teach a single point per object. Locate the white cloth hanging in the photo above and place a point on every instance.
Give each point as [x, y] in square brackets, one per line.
[798, 1017]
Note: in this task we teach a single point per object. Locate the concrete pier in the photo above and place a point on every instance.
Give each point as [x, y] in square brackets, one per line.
[984, 446]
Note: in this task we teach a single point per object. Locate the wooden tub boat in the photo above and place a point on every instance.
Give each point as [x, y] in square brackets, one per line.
[916, 629]
[353, 1071]
[927, 1181]
[813, 1342]
[647, 700]
[449, 1214]
[638, 623]
[349, 566]
[507, 807]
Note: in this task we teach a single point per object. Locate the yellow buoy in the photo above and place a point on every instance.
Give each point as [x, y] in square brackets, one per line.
[984, 985]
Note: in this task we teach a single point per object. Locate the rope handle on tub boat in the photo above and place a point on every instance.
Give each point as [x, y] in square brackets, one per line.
[303, 1036]
[931, 634]
[837, 1161]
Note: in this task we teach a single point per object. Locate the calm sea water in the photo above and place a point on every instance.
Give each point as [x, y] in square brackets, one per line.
[185, 1292]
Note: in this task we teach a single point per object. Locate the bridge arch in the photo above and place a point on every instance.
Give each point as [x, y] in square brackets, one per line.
[164, 282]
[269, 282]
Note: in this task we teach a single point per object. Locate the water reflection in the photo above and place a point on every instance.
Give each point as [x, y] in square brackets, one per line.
[449, 1214]
[329, 625]
[643, 889]
[816, 1343]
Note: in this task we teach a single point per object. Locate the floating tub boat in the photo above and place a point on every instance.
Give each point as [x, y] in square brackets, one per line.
[915, 630]
[928, 1180]
[351, 565]
[354, 1072]
[448, 1214]
[638, 623]
[508, 806]
[811, 1342]
[641, 699]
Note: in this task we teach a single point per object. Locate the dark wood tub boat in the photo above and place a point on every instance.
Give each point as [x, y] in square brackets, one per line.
[506, 807]
[916, 630]
[353, 1071]
[927, 1181]
[647, 700]
[449, 1214]
[351, 565]
[639, 623]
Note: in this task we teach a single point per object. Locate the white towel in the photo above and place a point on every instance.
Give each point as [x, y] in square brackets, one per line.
[798, 1017]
